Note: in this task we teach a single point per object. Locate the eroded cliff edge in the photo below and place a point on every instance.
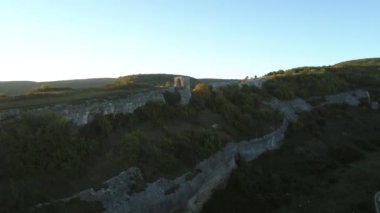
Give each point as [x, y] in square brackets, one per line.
[190, 191]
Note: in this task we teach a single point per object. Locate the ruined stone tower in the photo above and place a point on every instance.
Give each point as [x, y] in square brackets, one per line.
[182, 86]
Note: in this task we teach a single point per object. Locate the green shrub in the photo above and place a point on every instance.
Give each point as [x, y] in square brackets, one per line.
[142, 81]
[44, 88]
[208, 143]
[320, 81]
[172, 98]
[44, 143]
[152, 111]
[243, 109]
[346, 153]
[130, 147]
[201, 95]
[192, 145]
[99, 127]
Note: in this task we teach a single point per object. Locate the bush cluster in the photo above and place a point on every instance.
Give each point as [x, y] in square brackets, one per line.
[241, 107]
[39, 147]
[308, 163]
[320, 81]
[46, 89]
[43, 143]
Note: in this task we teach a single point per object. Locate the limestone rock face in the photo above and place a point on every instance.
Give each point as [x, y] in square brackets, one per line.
[375, 105]
[186, 193]
[190, 191]
[114, 190]
[84, 112]
[185, 95]
[257, 82]
[351, 98]
[290, 109]
[377, 202]
[216, 85]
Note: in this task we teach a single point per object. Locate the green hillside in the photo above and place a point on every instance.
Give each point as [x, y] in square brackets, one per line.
[15, 88]
[12, 88]
[33, 94]
[360, 62]
[326, 80]
[330, 158]
[329, 162]
[145, 81]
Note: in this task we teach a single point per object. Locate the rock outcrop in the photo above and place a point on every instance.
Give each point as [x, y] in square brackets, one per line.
[351, 98]
[84, 112]
[290, 109]
[186, 193]
[257, 82]
[377, 202]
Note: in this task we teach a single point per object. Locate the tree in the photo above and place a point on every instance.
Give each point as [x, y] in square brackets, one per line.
[2, 95]
[201, 94]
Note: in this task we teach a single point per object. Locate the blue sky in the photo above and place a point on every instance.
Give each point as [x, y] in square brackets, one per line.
[65, 39]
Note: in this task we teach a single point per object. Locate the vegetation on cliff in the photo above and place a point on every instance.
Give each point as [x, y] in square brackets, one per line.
[329, 163]
[320, 81]
[46, 89]
[45, 157]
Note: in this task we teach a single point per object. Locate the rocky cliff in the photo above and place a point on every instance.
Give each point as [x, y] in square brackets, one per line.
[190, 191]
[186, 193]
[84, 112]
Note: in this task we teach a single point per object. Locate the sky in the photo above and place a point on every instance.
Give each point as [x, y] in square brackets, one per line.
[43, 40]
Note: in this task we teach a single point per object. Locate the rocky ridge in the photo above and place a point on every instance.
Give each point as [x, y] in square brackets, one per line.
[190, 191]
[84, 112]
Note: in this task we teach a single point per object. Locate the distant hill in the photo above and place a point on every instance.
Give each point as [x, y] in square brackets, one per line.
[360, 62]
[24, 94]
[145, 80]
[13, 88]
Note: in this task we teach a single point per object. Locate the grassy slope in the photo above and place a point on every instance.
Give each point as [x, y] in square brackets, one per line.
[330, 162]
[147, 80]
[70, 97]
[321, 81]
[83, 90]
[360, 62]
[14, 88]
